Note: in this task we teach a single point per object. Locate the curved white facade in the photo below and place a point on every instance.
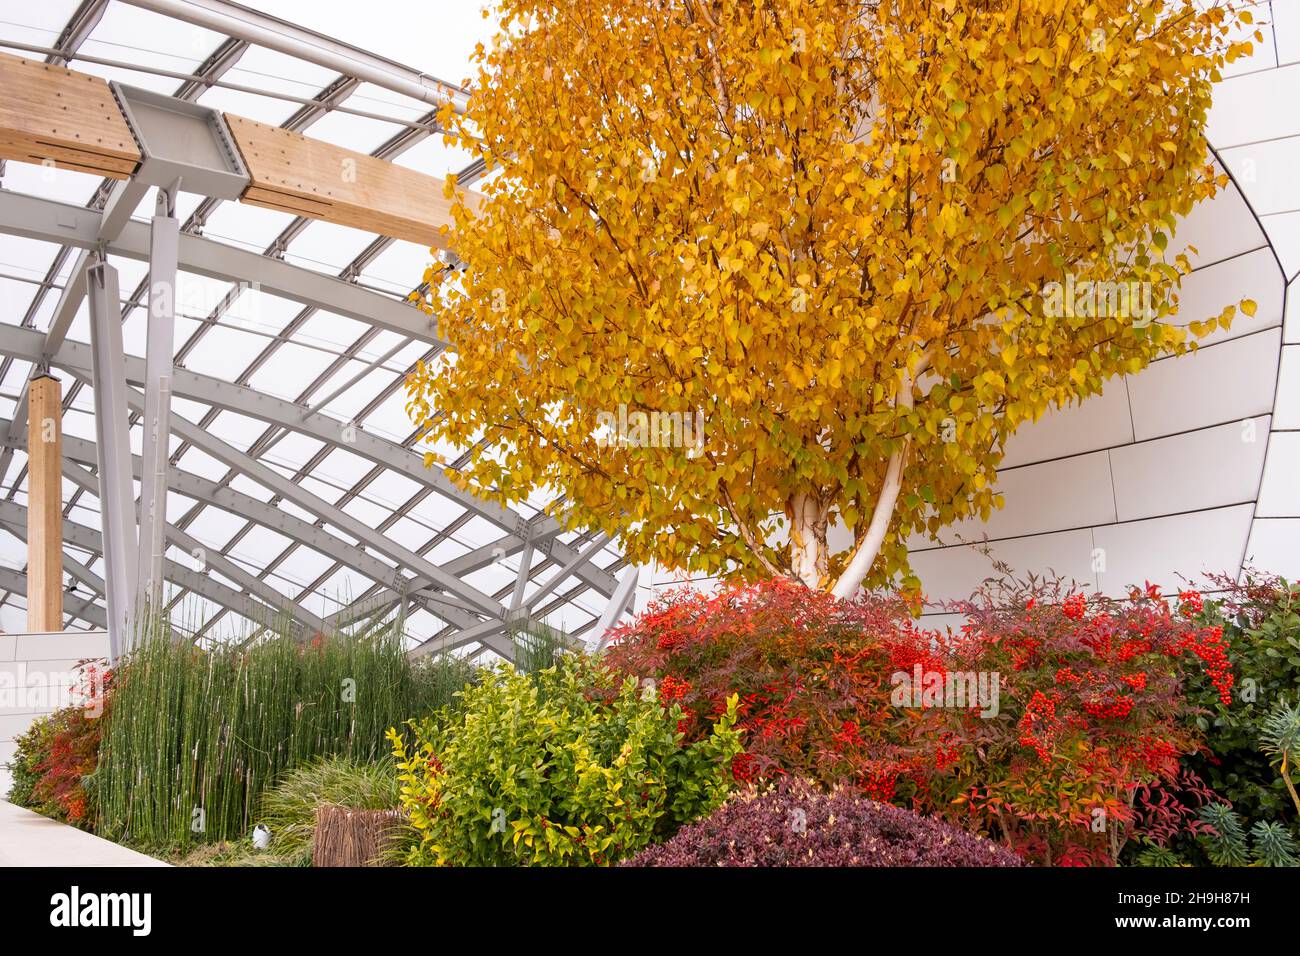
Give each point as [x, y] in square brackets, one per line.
[1193, 465]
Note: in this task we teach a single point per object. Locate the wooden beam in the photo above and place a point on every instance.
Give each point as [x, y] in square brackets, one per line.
[52, 114]
[45, 505]
[309, 177]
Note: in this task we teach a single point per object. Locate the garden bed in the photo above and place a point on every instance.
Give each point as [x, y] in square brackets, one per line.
[1053, 728]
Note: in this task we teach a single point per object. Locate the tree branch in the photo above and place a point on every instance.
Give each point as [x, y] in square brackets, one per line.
[864, 556]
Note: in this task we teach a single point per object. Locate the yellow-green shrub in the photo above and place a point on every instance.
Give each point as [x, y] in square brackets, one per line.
[570, 766]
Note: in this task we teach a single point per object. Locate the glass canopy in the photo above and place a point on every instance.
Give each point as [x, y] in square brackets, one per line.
[307, 359]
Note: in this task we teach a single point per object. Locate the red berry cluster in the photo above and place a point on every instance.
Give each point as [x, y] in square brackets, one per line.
[1190, 603]
[673, 688]
[1213, 652]
[1065, 675]
[946, 751]
[1109, 707]
[1075, 607]
[1131, 649]
[1039, 724]
[670, 641]
[1137, 681]
[1156, 755]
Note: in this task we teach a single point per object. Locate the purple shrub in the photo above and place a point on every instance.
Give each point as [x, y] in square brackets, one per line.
[798, 825]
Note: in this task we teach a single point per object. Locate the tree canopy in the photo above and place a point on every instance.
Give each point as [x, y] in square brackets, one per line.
[859, 243]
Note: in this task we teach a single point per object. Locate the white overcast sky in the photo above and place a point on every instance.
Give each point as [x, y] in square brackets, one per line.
[433, 36]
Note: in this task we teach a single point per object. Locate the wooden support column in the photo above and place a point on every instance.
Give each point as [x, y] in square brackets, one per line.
[45, 504]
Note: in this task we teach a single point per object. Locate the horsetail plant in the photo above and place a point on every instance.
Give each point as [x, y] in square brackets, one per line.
[197, 734]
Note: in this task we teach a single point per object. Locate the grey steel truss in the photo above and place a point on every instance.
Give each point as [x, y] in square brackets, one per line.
[550, 573]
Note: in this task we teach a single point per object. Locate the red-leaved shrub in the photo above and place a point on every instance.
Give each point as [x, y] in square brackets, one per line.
[1079, 703]
[799, 825]
[812, 673]
[1092, 707]
[62, 750]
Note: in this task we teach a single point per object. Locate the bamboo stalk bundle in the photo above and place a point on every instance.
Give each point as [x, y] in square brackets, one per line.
[348, 837]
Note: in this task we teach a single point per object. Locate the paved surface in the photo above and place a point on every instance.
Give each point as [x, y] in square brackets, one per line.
[29, 839]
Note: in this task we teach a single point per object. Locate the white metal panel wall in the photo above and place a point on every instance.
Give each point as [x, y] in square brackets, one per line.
[1193, 465]
[45, 659]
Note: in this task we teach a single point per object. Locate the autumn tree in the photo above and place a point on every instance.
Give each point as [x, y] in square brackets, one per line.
[861, 241]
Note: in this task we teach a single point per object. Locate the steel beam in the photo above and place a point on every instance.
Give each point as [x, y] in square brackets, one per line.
[160, 347]
[621, 602]
[112, 442]
[50, 221]
[460, 566]
[254, 404]
[73, 294]
[14, 517]
[87, 611]
[270, 597]
[84, 20]
[122, 202]
[277, 519]
[274, 34]
[383, 453]
[120, 198]
[123, 197]
[521, 582]
[569, 567]
[204, 585]
[489, 633]
[263, 475]
[321, 540]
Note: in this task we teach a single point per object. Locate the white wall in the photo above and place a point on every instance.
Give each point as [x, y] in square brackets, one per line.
[1193, 465]
[46, 664]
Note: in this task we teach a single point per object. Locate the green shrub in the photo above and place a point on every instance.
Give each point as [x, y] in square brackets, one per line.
[572, 766]
[32, 749]
[195, 736]
[1261, 621]
[1229, 844]
[1280, 741]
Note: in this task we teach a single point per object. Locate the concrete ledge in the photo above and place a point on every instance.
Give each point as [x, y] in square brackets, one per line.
[29, 839]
